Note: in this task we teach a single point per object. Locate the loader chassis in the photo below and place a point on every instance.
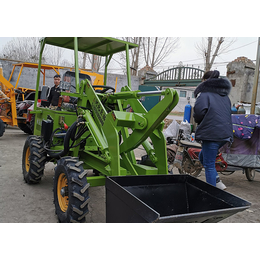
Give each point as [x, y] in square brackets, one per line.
[99, 134]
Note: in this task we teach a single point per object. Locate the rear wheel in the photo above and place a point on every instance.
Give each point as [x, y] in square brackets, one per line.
[170, 159]
[189, 168]
[250, 173]
[2, 127]
[70, 190]
[33, 160]
[25, 128]
[32, 124]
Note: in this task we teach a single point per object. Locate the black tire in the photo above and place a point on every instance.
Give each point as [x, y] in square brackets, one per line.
[250, 173]
[170, 156]
[25, 128]
[2, 127]
[189, 168]
[33, 160]
[70, 190]
[170, 160]
[32, 124]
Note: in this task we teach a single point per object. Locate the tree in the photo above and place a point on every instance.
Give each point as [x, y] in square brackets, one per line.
[151, 51]
[93, 61]
[135, 53]
[211, 47]
[27, 49]
[22, 49]
[157, 49]
[54, 55]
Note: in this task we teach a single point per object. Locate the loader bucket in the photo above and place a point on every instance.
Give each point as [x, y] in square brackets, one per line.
[167, 198]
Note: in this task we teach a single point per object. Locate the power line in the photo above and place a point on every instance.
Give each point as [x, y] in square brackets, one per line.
[173, 63]
[240, 46]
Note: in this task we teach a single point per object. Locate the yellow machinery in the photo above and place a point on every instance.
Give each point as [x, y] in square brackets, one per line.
[10, 94]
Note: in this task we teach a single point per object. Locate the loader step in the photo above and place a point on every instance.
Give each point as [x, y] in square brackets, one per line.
[60, 134]
[20, 118]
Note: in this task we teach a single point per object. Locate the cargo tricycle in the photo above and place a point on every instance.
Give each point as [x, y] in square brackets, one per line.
[244, 152]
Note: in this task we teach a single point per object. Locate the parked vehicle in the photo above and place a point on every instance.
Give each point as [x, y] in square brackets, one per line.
[244, 152]
[17, 102]
[184, 155]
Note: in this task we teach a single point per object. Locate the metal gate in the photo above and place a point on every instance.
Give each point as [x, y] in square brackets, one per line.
[175, 77]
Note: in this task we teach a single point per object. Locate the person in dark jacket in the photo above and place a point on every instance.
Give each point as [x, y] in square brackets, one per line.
[55, 91]
[212, 113]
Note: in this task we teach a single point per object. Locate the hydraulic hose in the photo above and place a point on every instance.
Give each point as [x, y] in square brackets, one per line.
[69, 135]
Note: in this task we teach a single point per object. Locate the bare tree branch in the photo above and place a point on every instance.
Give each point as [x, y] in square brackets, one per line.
[27, 49]
[23, 49]
[219, 43]
[151, 51]
[159, 47]
[134, 54]
[54, 55]
[217, 46]
[87, 61]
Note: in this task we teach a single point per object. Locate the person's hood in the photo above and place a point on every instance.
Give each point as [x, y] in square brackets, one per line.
[222, 86]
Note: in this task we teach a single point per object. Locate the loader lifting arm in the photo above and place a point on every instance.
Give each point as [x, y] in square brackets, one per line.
[106, 127]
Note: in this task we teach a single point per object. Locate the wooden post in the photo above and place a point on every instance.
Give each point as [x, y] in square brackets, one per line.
[254, 93]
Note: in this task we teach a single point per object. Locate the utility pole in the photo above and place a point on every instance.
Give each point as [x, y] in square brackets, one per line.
[254, 93]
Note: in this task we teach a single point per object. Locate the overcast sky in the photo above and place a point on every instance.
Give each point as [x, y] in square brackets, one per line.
[188, 55]
[186, 19]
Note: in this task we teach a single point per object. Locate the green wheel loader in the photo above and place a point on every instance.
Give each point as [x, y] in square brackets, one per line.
[93, 138]
[96, 132]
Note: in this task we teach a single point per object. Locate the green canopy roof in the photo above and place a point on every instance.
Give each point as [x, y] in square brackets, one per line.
[102, 46]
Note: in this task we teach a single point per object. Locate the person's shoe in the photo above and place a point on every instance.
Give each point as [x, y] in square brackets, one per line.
[221, 185]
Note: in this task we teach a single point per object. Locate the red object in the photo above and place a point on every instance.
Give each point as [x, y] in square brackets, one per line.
[220, 163]
[65, 126]
[194, 153]
[66, 99]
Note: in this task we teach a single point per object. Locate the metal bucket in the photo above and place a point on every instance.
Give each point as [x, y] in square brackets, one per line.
[167, 198]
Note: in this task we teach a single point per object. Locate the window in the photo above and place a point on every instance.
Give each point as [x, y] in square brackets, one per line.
[182, 93]
[192, 95]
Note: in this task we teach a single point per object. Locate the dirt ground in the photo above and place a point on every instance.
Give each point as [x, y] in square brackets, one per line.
[23, 203]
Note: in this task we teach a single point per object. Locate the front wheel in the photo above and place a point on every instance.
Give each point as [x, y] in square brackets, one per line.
[70, 190]
[33, 160]
[250, 173]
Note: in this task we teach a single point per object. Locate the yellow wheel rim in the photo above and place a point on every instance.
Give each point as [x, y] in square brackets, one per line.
[62, 187]
[27, 156]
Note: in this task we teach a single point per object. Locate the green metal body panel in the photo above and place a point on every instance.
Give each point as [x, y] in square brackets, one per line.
[55, 115]
[112, 134]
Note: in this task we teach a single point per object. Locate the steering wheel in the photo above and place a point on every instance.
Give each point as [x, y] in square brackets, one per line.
[104, 88]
